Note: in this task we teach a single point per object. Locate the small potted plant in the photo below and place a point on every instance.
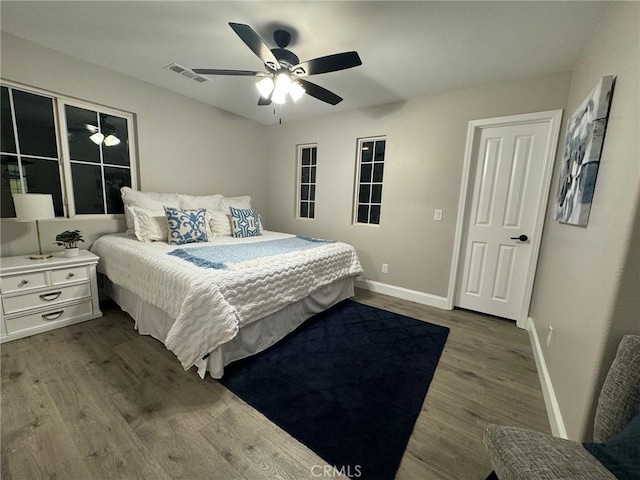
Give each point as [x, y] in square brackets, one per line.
[69, 240]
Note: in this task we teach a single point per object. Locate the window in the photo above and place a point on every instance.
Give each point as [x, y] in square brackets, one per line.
[370, 169]
[80, 153]
[29, 149]
[307, 158]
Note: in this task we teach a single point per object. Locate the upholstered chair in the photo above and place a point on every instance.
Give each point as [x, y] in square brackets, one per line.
[520, 454]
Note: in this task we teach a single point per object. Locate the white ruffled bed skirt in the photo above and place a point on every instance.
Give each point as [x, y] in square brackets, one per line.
[251, 339]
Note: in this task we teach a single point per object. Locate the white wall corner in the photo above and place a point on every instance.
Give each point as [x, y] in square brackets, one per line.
[550, 400]
[404, 293]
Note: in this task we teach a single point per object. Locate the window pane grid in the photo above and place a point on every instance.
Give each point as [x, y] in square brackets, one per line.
[371, 153]
[103, 167]
[307, 164]
[29, 134]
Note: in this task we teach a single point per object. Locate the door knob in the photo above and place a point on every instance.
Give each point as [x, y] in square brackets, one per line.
[522, 238]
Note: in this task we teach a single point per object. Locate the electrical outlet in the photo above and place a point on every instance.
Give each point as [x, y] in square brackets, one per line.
[385, 268]
[437, 214]
[549, 335]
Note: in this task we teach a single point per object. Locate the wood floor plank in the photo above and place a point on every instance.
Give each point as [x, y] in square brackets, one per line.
[35, 440]
[106, 442]
[97, 400]
[233, 433]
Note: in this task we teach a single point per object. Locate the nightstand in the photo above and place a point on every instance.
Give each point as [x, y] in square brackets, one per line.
[41, 295]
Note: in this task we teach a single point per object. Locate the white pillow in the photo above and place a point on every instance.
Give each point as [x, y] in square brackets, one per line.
[243, 202]
[219, 223]
[210, 202]
[149, 200]
[148, 225]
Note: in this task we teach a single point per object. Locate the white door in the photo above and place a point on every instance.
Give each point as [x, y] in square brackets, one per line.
[509, 179]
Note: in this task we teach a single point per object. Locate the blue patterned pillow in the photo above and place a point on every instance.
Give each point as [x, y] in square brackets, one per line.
[186, 226]
[245, 222]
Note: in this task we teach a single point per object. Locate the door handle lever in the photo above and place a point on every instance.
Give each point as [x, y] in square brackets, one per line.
[522, 238]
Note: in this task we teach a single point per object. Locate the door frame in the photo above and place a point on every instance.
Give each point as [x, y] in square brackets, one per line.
[554, 119]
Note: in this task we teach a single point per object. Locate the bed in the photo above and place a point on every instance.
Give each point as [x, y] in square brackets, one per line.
[216, 302]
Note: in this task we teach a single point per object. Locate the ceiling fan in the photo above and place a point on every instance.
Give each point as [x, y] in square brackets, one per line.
[284, 70]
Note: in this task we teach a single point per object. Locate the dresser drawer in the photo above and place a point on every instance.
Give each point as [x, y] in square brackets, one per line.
[48, 317]
[23, 282]
[49, 297]
[67, 275]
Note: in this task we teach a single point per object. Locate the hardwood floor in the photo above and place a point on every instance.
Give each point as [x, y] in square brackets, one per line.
[98, 401]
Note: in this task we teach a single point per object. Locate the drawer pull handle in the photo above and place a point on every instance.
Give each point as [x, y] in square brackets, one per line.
[47, 297]
[70, 275]
[53, 315]
[24, 282]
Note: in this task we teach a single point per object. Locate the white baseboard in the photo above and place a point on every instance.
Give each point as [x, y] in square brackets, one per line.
[550, 400]
[404, 293]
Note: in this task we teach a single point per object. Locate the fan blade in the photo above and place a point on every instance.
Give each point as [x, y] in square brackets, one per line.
[212, 71]
[256, 44]
[330, 63]
[319, 92]
[264, 101]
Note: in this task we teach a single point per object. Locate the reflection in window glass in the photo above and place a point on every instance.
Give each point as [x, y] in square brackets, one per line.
[371, 153]
[81, 125]
[7, 142]
[116, 140]
[43, 176]
[116, 178]
[9, 184]
[29, 148]
[35, 124]
[87, 188]
[106, 144]
[307, 160]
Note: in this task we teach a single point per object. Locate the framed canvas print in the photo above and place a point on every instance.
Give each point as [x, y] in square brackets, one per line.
[581, 159]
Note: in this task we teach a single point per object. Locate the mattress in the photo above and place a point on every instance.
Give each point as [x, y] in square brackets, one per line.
[210, 305]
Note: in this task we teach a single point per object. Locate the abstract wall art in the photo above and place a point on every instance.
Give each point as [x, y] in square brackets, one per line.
[581, 158]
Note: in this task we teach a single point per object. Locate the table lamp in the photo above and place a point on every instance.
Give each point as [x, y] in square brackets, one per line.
[34, 206]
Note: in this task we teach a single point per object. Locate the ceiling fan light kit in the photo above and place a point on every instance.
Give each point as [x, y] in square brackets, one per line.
[284, 68]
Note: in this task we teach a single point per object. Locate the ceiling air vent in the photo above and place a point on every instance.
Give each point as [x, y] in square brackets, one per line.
[185, 72]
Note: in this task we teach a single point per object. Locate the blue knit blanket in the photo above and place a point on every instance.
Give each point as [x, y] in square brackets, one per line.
[220, 256]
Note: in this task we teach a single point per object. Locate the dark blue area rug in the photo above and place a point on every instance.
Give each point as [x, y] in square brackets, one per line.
[349, 384]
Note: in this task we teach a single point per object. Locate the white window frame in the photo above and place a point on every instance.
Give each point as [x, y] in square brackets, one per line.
[356, 187]
[64, 162]
[66, 156]
[299, 181]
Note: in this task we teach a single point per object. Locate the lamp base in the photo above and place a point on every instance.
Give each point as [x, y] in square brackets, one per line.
[40, 256]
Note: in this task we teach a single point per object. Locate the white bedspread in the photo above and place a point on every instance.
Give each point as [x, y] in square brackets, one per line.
[210, 305]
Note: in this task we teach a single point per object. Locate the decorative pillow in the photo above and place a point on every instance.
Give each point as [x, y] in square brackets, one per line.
[186, 226]
[243, 202]
[620, 454]
[149, 200]
[245, 222]
[210, 202]
[149, 226]
[219, 223]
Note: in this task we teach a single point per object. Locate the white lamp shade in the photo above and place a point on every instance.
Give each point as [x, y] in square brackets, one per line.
[97, 138]
[33, 206]
[111, 140]
[265, 86]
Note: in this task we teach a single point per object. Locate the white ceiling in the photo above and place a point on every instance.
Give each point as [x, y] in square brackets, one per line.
[407, 48]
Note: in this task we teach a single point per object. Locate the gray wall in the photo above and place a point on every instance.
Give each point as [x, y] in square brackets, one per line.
[423, 169]
[588, 286]
[183, 145]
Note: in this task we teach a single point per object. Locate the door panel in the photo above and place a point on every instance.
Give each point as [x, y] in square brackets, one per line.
[507, 172]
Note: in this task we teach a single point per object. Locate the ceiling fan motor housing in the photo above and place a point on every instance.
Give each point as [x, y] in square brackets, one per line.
[285, 57]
